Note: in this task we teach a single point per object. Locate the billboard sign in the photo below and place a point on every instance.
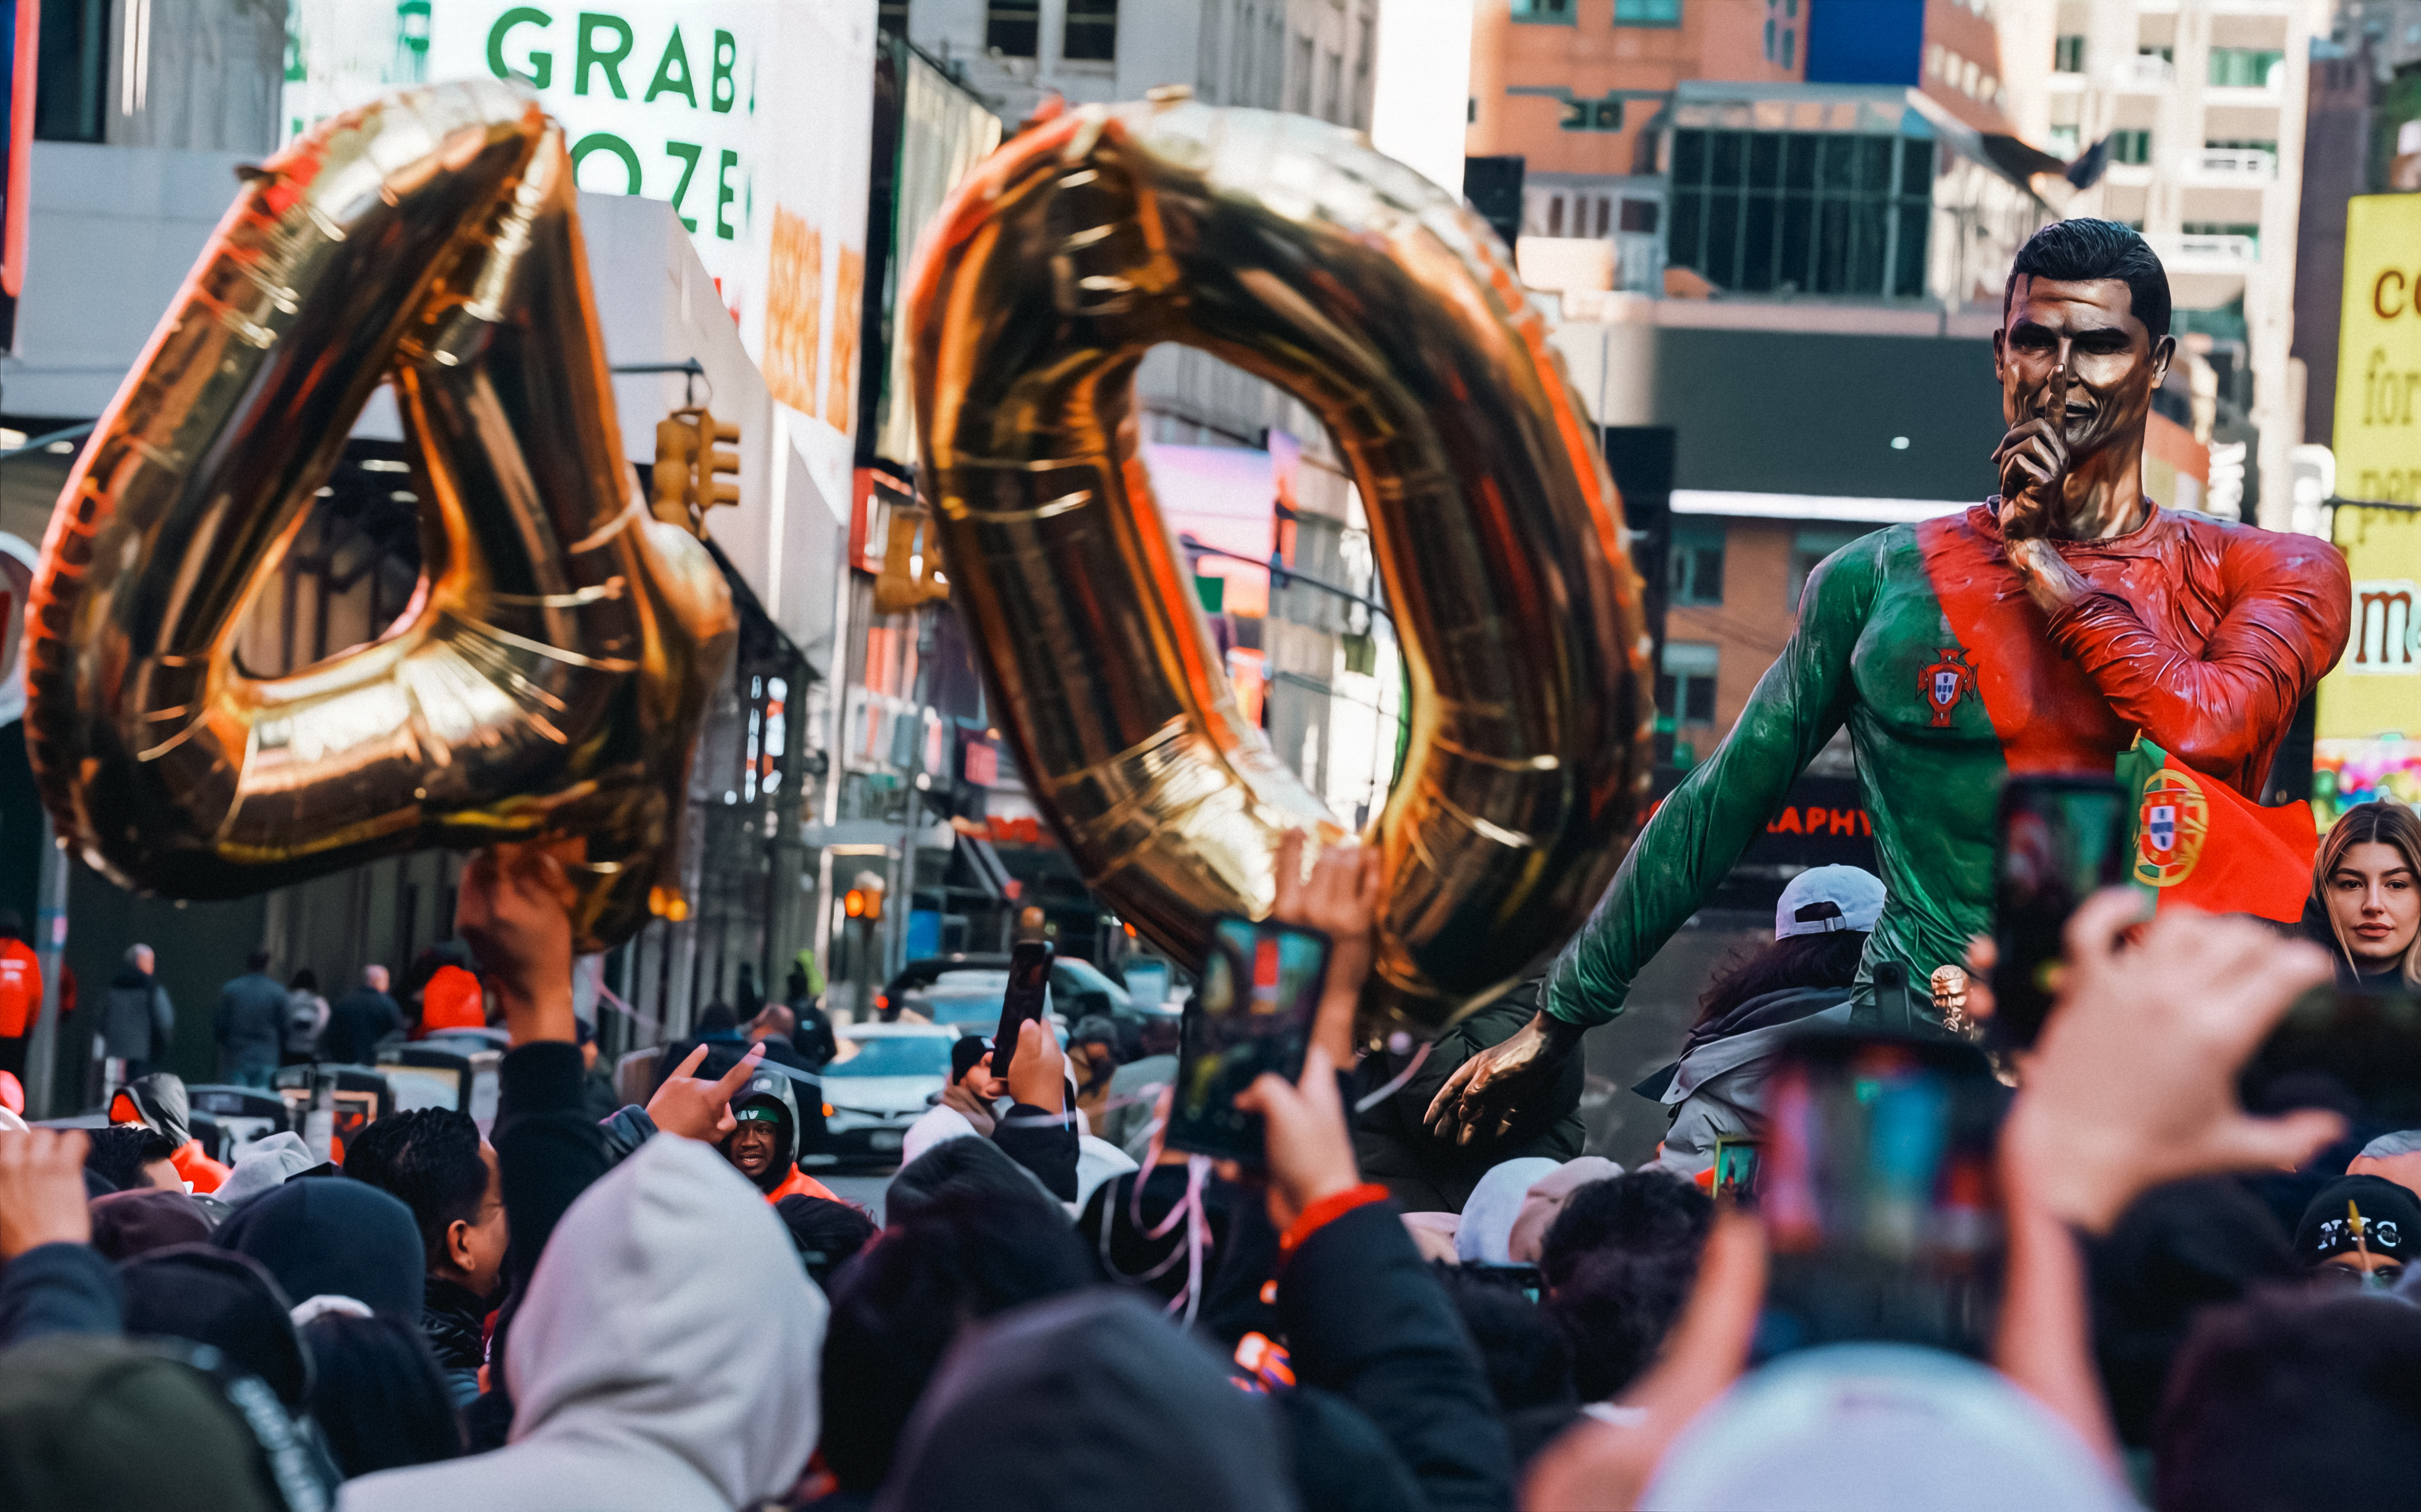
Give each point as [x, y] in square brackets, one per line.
[2368, 736]
[751, 119]
[2379, 352]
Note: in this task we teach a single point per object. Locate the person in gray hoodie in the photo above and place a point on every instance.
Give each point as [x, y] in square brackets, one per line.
[666, 1359]
[1716, 1090]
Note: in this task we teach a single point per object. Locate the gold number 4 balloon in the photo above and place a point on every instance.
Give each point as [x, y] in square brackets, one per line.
[547, 681]
[1289, 248]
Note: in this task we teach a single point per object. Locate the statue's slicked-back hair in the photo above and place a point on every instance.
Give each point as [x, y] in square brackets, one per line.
[2085, 248]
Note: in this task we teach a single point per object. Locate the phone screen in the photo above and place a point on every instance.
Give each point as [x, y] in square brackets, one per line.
[1260, 985]
[1029, 989]
[2061, 839]
[1876, 1183]
[1735, 1166]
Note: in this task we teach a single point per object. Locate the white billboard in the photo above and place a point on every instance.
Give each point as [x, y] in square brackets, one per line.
[752, 119]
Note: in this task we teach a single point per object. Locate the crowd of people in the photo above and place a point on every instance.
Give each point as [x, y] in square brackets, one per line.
[655, 1307]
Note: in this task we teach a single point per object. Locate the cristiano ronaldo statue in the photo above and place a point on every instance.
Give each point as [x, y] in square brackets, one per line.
[2042, 631]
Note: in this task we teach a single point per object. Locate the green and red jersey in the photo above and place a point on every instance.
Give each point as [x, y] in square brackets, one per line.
[2198, 636]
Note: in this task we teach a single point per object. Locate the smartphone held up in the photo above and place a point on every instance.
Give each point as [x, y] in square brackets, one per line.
[1262, 985]
[2061, 840]
[1028, 995]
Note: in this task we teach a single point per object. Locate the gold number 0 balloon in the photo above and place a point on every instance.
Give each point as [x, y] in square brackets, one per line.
[547, 681]
[1291, 249]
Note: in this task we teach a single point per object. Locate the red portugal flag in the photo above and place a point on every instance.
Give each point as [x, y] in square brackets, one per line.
[2201, 844]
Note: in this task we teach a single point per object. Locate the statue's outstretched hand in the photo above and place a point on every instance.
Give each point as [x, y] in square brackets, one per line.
[1488, 1092]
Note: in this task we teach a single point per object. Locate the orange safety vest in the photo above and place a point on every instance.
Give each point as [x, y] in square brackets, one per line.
[452, 1001]
[800, 1184]
[21, 988]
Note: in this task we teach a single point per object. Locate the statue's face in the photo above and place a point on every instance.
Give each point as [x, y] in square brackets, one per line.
[2090, 329]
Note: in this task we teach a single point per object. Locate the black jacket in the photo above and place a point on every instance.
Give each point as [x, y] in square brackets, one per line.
[813, 1039]
[356, 1022]
[1042, 1142]
[454, 1321]
[1365, 1321]
[59, 1288]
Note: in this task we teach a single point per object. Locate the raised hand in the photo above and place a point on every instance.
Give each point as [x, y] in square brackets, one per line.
[42, 1190]
[695, 1108]
[515, 910]
[1341, 899]
[1038, 1077]
[2132, 1082]
[2033, 461]
[1309, 1149]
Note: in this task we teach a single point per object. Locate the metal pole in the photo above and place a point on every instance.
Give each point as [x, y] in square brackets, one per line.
[50, 949]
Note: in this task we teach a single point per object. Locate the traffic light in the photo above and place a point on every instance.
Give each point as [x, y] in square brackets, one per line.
[863, 899]
[690, 471]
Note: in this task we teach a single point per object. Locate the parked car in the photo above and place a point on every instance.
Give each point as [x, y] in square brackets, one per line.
[965, 992]
[885, 1078]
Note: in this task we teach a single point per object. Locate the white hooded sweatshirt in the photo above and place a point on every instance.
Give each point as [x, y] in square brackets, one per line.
[666, 1359]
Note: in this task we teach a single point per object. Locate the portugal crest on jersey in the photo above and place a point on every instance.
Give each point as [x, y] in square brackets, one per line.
[1947, 682]
[2171, 824]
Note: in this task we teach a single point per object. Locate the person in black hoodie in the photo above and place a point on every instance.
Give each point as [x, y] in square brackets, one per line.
[2365, 905]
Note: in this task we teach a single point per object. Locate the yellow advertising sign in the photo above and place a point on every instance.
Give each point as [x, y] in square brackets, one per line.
[2377, 442]
[2371, 703]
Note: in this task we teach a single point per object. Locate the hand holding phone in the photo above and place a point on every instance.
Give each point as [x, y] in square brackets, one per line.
[1309, 1147]
[1261, 986]
[1879, 1190]
[1029, 989]
[2062, 839]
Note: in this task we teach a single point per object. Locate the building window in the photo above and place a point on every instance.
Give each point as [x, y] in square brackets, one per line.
[1092, 31]
[72, 70]
[1802, 211]
[2068, 56]
[1592, 115]
[1639, 215]
[1014, 27]
[1554, 12]
[1790, 48]
[1769, 38]
[1332, 82]
[1685, 685]
[2246, 67]
[2244, 144]
[2130, 147]
[1809, 546]
[2062, 142]
[2250, 231]
[1647, 12]
[1695, 570]
[1302, 74]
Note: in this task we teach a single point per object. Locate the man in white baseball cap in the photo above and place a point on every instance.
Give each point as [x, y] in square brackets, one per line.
[1716, 1089]
[1828, 898]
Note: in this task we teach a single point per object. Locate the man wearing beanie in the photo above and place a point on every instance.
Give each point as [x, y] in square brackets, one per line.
[2360, 1230]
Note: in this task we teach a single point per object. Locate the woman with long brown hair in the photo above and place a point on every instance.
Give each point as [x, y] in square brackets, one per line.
[2365, 903]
